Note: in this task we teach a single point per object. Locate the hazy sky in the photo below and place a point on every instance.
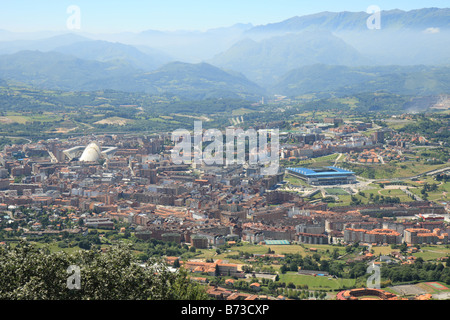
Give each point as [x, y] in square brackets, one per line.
[138, 15]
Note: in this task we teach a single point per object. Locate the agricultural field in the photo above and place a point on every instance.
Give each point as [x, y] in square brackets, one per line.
[114, 121]
[22, 118]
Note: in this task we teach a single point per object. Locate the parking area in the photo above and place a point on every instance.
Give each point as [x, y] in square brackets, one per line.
[409, 289]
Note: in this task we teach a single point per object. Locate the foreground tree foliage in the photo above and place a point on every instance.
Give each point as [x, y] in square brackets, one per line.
[32, 273]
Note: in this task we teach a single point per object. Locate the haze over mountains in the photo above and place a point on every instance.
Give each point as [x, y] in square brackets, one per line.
[323, 52]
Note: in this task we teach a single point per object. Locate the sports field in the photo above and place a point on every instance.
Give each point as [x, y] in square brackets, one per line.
[316, 283]
[437, 285]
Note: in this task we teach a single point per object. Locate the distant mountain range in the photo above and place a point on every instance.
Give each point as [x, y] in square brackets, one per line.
[341, 38]
[85, 48]
[266, 60]
[105, 51]
[419, 19]
[323, 52]
[54, 70]
[344, 80]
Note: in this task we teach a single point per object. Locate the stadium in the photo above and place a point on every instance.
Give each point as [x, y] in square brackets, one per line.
[366, 294]
[323, 176]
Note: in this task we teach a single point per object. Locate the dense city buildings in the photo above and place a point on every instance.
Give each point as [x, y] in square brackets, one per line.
[132, 179]
[128, 184]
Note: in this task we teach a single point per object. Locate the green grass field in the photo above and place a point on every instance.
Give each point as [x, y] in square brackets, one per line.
[295, 181]
[433, 252]
[336, 191]
[440, 194]
[391, 171]
[318, 282]
[24, 118]
[262, 249]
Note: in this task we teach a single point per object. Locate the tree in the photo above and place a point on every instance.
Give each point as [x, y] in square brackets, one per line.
[335, 254]
[84, 244]
[35, 273]
[293, 266]
[403, 247]
[358, 269]
[324, 265]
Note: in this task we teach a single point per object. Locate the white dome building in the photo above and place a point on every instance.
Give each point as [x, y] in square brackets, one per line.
[92, 153]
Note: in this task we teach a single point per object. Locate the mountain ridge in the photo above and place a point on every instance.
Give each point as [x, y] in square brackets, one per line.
[54, 70]
[429, 17]
[236, 61]
[407, 80]
[266, 60]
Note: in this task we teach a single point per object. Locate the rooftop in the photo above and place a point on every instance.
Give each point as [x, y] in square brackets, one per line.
[325, 171]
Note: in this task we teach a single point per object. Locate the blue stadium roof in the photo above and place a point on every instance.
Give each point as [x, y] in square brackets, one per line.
[334, 171]
[276, 242]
